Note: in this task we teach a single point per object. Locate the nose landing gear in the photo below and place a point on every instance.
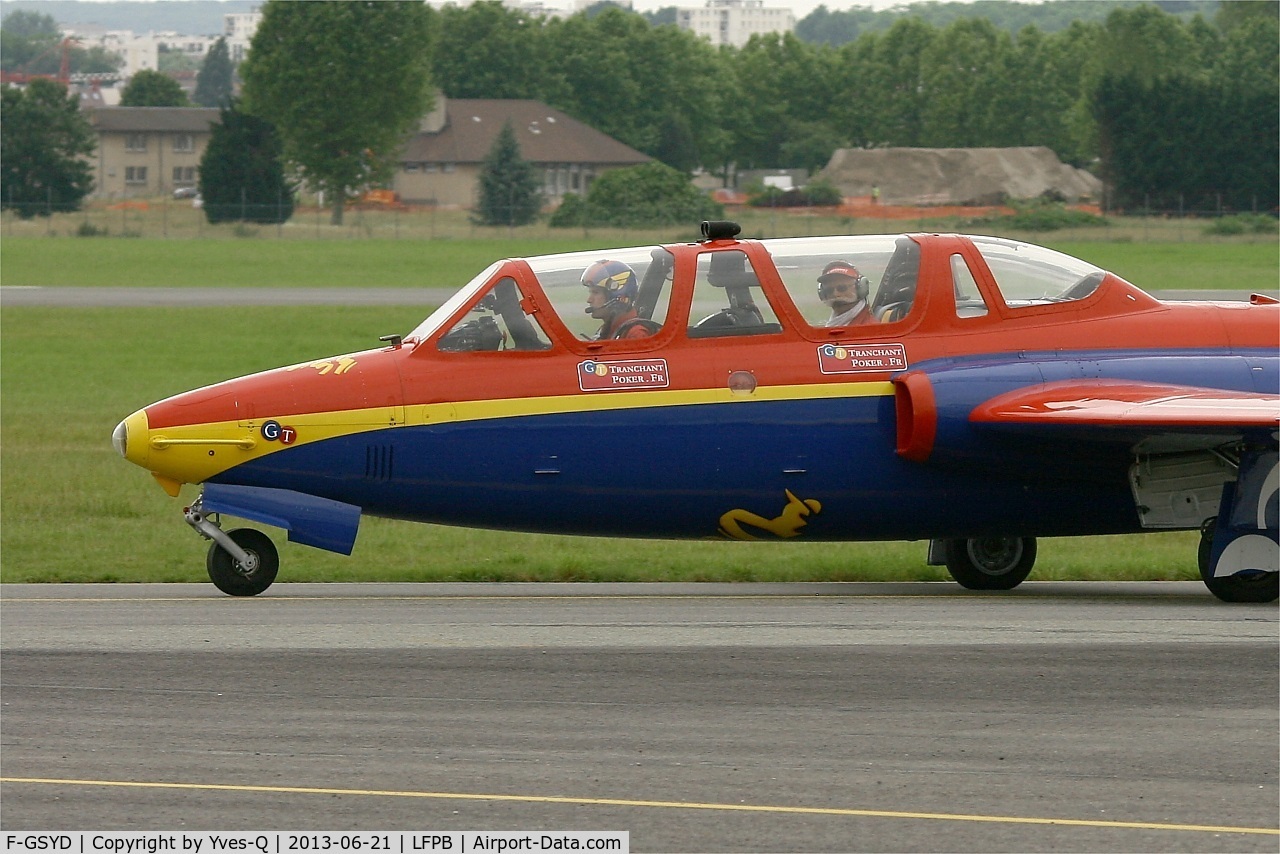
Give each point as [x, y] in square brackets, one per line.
[242, 562]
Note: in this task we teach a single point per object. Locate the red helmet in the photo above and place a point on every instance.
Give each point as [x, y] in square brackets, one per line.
[839, 272]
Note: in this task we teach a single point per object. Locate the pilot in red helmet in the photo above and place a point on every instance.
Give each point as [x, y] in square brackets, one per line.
[611, 297]
[844, 290]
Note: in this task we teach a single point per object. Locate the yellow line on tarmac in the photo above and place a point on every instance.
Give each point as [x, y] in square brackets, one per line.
[616, 802]
[515, 597]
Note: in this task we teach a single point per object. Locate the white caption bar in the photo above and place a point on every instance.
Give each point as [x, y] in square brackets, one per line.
[276, 842]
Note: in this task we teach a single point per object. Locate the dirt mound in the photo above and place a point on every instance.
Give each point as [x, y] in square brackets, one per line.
[957, 176]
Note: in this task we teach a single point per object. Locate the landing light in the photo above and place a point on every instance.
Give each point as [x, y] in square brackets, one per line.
[120, 438]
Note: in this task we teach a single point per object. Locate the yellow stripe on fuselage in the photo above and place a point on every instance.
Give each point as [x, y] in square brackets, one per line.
[475, 410]
[193, 453]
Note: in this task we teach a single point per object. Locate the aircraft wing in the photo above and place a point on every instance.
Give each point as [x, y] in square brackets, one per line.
[1127, 405]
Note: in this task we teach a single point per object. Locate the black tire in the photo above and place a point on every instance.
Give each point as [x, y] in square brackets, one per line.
[1241, 587]
[991, 563]
[227, 574]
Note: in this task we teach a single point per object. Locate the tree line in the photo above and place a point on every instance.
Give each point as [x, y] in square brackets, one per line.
[1182, 108]
[1099, 93]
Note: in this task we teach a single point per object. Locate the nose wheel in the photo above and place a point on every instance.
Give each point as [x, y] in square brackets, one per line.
[248, 576]
[242, 562]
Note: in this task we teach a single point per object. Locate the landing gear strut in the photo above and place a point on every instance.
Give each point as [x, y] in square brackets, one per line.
[242, 562]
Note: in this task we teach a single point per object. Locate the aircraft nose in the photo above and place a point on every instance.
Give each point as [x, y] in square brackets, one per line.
[130, 438]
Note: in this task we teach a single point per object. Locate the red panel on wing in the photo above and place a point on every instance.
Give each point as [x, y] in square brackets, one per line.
[1125, 404]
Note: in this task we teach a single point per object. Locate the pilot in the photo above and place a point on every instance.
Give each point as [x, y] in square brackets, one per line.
[612, 287]
[844, 290]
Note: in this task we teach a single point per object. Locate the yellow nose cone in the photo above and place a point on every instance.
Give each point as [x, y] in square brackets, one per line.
[130, 438]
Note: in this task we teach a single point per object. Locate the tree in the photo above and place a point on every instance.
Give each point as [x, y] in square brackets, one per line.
[344, 83]
[486, 50]
[171, 62]
[31, 43]
[242, 173]
[882, 99]
[213, 80]
[30, 25]
[150, 88]
[627, 79]
[1187, 115]
[650, 194]
[26, 36]
[783, 83]
[44, 140]
[1236, 13]
[1145, 44]
[509, 193]
[676, 147]
[955, 72]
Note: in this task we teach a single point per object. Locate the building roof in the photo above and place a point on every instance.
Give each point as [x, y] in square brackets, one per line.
[142, 119]
[545, 135]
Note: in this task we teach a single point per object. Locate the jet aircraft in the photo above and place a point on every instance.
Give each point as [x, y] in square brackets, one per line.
[992, 392]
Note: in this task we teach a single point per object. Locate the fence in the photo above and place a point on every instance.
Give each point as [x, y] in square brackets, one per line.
[181, 219]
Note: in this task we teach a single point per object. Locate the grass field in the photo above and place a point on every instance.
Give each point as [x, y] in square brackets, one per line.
[74, 511]
[56, 262]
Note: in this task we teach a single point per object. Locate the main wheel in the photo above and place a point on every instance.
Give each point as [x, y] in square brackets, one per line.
[235, 579]
[1241, 587]
[991, 563]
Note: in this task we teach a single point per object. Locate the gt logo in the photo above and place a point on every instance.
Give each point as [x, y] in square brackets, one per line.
[274, 431]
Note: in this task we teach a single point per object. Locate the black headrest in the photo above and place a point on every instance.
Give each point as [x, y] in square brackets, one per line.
[729, 270]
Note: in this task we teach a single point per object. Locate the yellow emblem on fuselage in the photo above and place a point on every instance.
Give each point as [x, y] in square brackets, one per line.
[325, 366]
[786, 524]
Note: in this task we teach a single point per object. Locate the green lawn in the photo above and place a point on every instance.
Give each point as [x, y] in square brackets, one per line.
[148, 262]
[1184, 266]
[384, 263]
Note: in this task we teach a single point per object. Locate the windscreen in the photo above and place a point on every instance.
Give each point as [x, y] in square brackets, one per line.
[442, 314]
[1033, 275]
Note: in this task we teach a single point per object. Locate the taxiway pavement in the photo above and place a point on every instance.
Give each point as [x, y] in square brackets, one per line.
[794, 717]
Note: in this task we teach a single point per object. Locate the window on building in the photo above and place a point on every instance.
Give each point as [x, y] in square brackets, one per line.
[184, 175]
[135, 175]
[184, 142]
[135, 142]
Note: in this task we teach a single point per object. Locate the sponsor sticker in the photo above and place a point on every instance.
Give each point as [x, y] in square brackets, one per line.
[614, 376]
[861, 358]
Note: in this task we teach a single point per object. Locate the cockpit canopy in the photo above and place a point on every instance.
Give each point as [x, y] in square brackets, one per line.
[726, 288]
